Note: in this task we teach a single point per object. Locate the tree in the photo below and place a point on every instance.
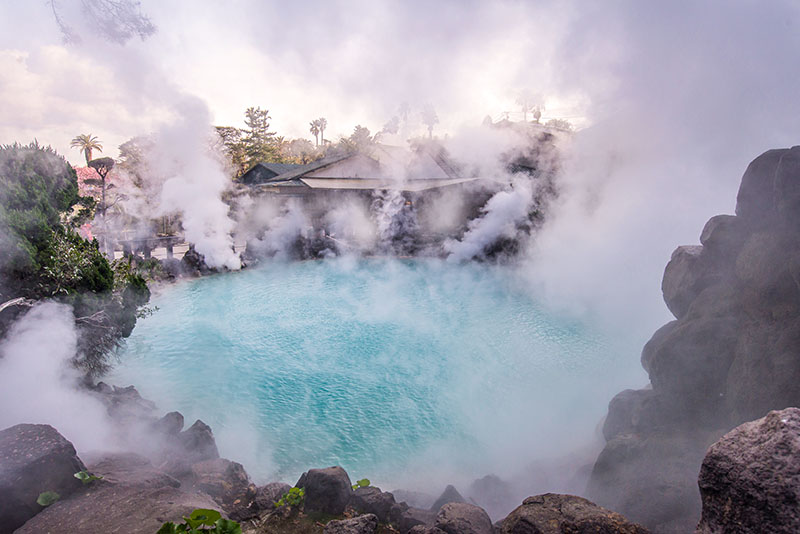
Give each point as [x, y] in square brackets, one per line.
[315, 130]
[322, 122]
[537, 113]
[259, 142]
[42, 257]
[559, 124]
[233, 145]
[430, 119]
[358, 140]
[86, 143]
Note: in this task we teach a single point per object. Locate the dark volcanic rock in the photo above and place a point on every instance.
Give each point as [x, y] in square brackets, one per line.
[372, 500]
[169, 425]
[750, 479]
[684, 278]
[327, 490]
[363, 524]
[133, 497]
[198, 443]
[463, 518]
[450, 494]
[33, 459]
[225, 481]
[264, 501]
[493, 495]
[411, 517]
[559, 514]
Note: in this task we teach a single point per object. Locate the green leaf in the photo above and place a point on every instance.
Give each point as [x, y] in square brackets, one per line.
[47, 498]
[86, 478]
[168, 528]
[227, 526]
[363, 483]
[202, 517]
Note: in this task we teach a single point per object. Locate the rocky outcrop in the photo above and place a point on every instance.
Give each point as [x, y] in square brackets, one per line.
[557, 514]
[363, 524]
[450, 494]
[463, 518]
[225, 481]
[33, 459]
[372, 500]
[493, 495]
[750, 479]
[133, 497]
[730, 356]
[327, 490]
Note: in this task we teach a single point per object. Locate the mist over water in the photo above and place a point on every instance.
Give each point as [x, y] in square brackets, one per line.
[401, 371]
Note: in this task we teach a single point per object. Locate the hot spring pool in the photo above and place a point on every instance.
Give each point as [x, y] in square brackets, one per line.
[393, 369]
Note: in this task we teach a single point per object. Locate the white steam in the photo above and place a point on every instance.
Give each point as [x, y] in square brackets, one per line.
[38, 384]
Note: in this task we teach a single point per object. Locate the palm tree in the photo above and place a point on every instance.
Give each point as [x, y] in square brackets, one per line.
[429, 118]
[322, 122]
[87, 143]
[315, 130]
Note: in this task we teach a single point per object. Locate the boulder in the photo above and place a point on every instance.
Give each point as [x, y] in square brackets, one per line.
[33, 459]
[723, 236]
[755, 202]
[133, 497]
[409, 517]
[169, 425]
[628, 411]
[450, 494]
[372, 500]
[558, 514]
[750, 478]
[198, 442]
[327, 490]
[685, 276]
[463, 518]
[787, 189]
[264, 501]
[422, 529]
[225, 481]
[363, 524]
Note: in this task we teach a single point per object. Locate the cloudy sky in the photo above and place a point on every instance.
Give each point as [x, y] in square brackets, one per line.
[673, 98]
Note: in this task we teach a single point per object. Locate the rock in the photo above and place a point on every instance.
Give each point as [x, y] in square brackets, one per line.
[722, 238]
[33, 459]
[787, 189]
[125, 403]
[422, 529]
[755, 202]
[225, 481]
[411, 517]
[463, 518]
[327, 490]
[198, 443]
[558, 514]
[450, 494]
[493, 495]
[169, 425]
[417, 499]
[372, 500]
[363, 524]
[685, 276]
[750, 478]
[264, 501]
[130, 469]
[627, 411]
[194, 263]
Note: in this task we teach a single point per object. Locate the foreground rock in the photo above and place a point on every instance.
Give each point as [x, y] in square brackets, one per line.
[558, 514]
[729, 357]
[225, 481]
[372, 500]
[750, 479]
[463, 518]
[363, 524]
[133, 497]
[327, 490]
[33, 459]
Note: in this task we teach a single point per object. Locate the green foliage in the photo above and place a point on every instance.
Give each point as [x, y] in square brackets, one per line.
[294, 498]
[85, 477]
[202, 521]
[363, 483]
[47, 498]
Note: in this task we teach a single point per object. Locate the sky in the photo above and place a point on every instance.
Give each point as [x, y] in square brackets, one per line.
[672, 99]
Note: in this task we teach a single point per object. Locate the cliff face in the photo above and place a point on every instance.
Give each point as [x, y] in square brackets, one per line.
[731, 355]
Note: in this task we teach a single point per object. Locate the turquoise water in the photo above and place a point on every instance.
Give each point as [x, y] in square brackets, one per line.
[386, 367]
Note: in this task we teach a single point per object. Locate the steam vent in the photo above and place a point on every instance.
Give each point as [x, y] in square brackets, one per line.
[730, 356]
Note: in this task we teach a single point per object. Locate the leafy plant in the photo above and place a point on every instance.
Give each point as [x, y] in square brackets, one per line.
[202, 521]
[85, 477]
[363, 483]
[47, 498]
[294, 497]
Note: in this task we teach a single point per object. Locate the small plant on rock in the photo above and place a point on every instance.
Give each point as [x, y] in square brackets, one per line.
[202, 521]
[87, 478]
[363, 483]
[47, 498]
[292, 498]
